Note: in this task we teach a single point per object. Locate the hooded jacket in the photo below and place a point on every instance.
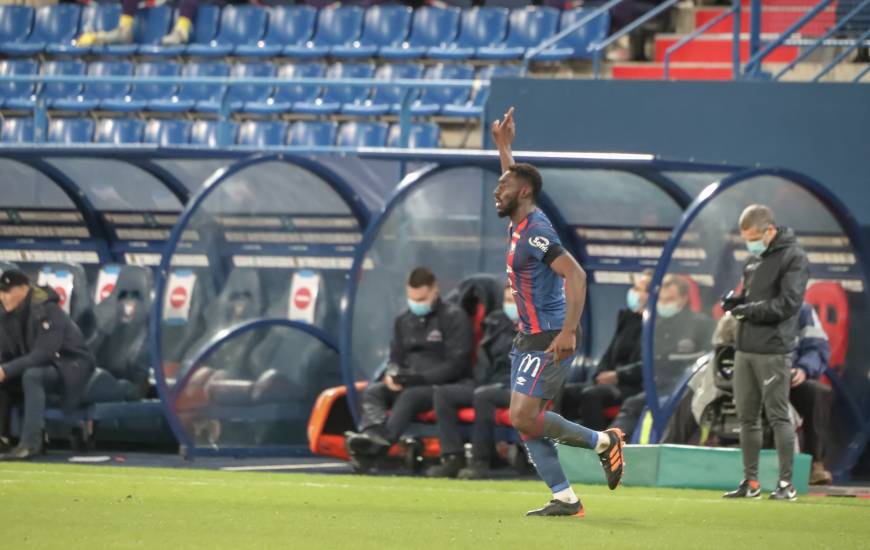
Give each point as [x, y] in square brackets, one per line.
[773, 291]
[493, 356]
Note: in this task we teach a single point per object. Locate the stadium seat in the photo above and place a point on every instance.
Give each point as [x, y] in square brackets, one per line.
[336, 26]
[474, 107]
[362, 134]
[285, 97]
[188, 95]
[140, 94]
[70, 283]
[52, 91]
[240, 24]
[51, 25]
[95, 17]
[831, 303]
[262, 133]
[166, 133]
[92, 94]
[205, 27]
[70, 130]
[529, 27]
[288, 26]
[384, 26]
[15, 24]
[312, 133]
[433, 100]
[430, 28]
[479, 28]
[20, 91]
[386, 99]
[17, 130]
[425, 135]
[576, 44]
[119, 131]
[238, 94]
[150, 25]
[205, 132]
[336, 96]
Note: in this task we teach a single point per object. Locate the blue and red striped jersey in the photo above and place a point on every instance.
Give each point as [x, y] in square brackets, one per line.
[538, 290]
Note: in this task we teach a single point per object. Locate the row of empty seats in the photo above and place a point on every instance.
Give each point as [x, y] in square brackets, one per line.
[249, 98]
[386, 31]
[255, 133]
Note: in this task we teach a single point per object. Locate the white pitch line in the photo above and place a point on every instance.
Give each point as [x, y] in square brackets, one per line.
[279, 467]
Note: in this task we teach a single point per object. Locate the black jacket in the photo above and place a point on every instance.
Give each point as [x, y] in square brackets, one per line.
[433, 348]
[493, 356]
[623, 355]
[683, 337]
[50, 338]
[773, 290]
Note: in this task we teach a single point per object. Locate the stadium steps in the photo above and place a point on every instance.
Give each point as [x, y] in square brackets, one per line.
[774, 19]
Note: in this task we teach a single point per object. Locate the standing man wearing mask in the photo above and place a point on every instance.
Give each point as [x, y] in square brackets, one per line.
[619, 374]
[431, 345]
[774, 281]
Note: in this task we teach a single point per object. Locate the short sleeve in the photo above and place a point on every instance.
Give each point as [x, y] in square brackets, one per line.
[540, 239]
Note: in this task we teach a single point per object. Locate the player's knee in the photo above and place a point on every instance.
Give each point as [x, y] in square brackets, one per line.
[522, 420]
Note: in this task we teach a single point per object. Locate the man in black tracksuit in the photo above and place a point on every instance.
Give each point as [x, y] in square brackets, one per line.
[774, 281]
[41, 351]
[431, 345]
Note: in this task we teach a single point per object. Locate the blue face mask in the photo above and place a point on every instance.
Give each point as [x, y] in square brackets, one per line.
[632, 299]
[419, 308]
[756, 248]
[667, 310]
[511, 311]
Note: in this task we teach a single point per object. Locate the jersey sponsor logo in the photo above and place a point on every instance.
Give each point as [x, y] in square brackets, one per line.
[435, 336]
[540, 242]
[532, 362]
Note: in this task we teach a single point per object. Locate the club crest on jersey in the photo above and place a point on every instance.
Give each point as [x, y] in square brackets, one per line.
[540, 242]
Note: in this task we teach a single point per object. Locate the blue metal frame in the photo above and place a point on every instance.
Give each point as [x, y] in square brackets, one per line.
[850, 228]
[842, 55]
[341, 187]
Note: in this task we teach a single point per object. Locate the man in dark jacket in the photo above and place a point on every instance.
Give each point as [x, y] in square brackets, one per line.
[618, 375]
[486, 392]
[774, 281]
[431, 345]
[42, 350]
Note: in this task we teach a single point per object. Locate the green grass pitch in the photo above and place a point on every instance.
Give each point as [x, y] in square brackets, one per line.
[50, 506]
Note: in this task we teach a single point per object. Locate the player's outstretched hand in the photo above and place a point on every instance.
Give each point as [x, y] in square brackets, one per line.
[503, 131]
[562, 346]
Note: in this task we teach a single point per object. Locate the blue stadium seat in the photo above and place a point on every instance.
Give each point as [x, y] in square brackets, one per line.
[336, 96]
[52, 25]
[17, 130]
[205, 27]
[150, 25]
[288, 26]
[119, 131]
[15, 24]
[17, 91]
[529, 27]
[386, 100]
[474, 107]
[285, 97]
[384, 26]
[70, 130]
[167, 132]
[262, 133]
[433, 100]
[53, 91]
[205, 132]
[480, 28]
[424, 135]
[431, 28]
[140, 94]
[312, 133]
[239, 25]
[335, 27]
[576, 44]
[362, 134]
[238, 94]
[188, 95]
[92, 94]
[95, 17]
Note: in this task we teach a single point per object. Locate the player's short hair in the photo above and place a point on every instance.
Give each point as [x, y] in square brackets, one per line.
[421, 276]
[756, 216]
[678, 281]
[530, 174]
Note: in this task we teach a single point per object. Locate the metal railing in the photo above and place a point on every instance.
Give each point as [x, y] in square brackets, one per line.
[405, 115]
[734, 10]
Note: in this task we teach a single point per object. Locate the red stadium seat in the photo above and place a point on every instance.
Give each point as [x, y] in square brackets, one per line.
[832, 305]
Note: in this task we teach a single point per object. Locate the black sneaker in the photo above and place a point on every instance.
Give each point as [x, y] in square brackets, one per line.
[559, 508]
[746, 489]
[366, 443]
[611, 459]
[449, 466]
[784, 491]
[477, 469]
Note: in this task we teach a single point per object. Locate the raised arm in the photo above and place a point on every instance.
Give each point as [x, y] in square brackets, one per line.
[503, 133]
